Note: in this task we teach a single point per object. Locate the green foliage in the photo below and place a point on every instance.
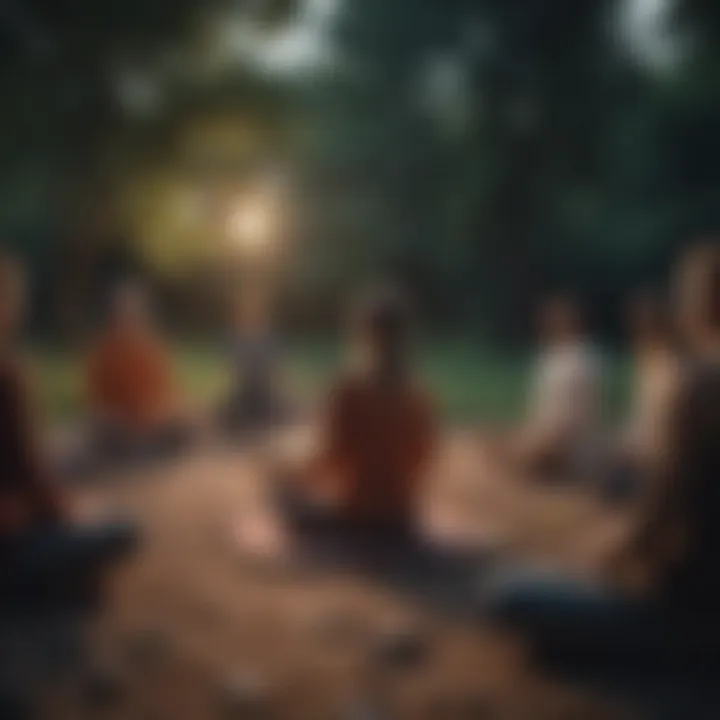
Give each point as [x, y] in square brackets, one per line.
[483, 151]
[575, 167]
[469, 381]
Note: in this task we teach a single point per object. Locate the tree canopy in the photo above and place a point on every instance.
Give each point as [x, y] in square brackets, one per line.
[486, 152]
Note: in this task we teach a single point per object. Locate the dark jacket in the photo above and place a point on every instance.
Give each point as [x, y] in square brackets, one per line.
[26, 493]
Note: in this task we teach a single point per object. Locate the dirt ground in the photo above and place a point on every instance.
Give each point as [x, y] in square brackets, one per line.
[193, 629]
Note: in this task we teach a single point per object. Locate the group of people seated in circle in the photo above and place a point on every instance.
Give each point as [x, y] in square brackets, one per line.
[656, 596]
[136, 414]
[378, 433]
[566, 434]
[135, 402]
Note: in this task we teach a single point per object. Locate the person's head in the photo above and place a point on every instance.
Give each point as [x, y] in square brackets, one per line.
[12, 295]
[698, 295]
[560, 320]
[648, 321]
[382, 327]
[130, 307]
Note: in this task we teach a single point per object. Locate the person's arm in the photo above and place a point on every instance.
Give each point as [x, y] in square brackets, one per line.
[659, 534]
[655, 541]
[36, 486]
[668, 494]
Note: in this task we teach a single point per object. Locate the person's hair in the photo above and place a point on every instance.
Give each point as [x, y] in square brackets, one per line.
[383, 317]
[565, 306]
[699, 288]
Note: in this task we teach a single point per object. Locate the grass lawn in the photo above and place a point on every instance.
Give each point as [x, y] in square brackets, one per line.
[470, 382]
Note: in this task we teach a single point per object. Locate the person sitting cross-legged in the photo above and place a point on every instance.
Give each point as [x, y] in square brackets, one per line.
[134, 400]
[377, 438]
[255, 400]
[656, 598]
[45, 553]
[562, 435]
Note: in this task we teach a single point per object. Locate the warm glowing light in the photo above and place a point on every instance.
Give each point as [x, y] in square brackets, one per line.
[253, 224]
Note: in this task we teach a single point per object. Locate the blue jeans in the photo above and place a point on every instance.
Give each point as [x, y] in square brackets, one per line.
[575, 621]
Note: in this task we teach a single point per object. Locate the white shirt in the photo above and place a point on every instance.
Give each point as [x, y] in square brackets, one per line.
[568, 389]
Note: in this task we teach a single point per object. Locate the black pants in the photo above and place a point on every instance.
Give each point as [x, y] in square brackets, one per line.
[320, 522]
[574, 623]
[47, 562]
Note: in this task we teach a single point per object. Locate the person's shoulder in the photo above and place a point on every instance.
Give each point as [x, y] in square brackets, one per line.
[584, 356]
[585, 350]
[551, 357]
[596, 357]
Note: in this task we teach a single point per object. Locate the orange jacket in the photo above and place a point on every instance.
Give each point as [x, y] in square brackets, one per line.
[130, 379]
[377, 445]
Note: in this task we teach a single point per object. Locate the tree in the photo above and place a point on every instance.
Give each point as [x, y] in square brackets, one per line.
[80, 79]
